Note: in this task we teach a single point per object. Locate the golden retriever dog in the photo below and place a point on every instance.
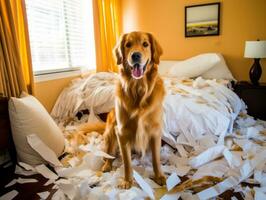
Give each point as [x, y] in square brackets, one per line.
[138, 104]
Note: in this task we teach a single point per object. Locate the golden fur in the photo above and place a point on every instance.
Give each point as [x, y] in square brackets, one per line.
[138, 105]
[136, 120]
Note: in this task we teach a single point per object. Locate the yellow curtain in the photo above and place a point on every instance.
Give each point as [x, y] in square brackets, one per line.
[15, 64]
[107, 31]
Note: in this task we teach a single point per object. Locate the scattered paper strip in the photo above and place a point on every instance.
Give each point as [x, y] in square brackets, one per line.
[95, 151]
[13, 182]
[43, 195]
[50, 181]
[260, 193]
[144, 185]
[218, 189]
[188, 196]
[215, 168]
[171, 196]
[172, 181]
[21, 181]
[26, 180]
[45, 152]
[242, 174]
[58, 195]
[232, 160]
[152, 183]
[207, 156]
[20, 171]
[181, 150]
[69, 189]
[10, 195]
[26, 166]
[47, 173]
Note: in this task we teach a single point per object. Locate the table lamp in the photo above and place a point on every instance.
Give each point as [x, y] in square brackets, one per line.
[256, 50]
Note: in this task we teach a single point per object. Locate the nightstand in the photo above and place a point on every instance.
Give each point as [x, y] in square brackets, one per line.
[254, 96]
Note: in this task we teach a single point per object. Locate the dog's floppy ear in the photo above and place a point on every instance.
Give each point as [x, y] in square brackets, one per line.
[118, 50]
[156, 49]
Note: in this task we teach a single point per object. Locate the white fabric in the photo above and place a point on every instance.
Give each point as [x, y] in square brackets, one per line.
[165, 66]
[208, 68]
[92, 92]
[219, 71]
[28, 116]
[204, 108]
[194, 66]
[191, 112]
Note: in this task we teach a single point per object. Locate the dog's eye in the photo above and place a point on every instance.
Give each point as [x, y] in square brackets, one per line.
[128, 45]
[145, 44]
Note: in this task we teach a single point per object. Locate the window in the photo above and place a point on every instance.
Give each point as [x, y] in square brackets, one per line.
[61, 35]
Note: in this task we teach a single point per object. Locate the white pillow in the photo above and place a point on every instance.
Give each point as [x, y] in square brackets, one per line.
[194, 66]
[165, 66]
[28, 116]
[219, 71]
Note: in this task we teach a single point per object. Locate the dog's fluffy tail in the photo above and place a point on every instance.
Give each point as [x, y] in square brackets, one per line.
[94, 126]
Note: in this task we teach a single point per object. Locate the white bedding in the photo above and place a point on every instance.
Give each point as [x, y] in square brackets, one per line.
[94, 92]
[198, 108]
[192, 109]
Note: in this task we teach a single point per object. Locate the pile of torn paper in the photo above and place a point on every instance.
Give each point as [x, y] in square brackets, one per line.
[193, 109]
[204, 172]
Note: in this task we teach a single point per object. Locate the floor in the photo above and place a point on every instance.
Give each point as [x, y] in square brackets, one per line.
[26, 191]
[29, 191]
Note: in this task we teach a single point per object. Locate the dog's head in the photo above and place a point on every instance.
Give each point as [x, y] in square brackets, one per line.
[138, 51]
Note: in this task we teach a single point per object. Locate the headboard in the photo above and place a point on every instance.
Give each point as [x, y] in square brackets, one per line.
[6, 141]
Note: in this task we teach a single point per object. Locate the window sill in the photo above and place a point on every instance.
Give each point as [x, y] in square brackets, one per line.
[58, 75]
[62, 74]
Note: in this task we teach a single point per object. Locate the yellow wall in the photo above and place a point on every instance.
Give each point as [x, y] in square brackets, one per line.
[48, 91]
[241, 20]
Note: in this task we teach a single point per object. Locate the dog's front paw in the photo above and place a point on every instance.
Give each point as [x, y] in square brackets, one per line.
[160, 180]
[125, 184]
[107, 167]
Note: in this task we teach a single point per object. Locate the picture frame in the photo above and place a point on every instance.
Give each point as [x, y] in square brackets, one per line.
[202, 20]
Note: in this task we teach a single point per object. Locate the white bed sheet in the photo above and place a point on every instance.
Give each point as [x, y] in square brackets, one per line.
[197, 108]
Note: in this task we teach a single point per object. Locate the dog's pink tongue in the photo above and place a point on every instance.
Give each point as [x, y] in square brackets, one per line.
[137, 71]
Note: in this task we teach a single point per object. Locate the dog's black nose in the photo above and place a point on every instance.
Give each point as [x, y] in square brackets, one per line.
[136, 56]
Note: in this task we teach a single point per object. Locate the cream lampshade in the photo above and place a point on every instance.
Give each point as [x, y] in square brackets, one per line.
[256, 50]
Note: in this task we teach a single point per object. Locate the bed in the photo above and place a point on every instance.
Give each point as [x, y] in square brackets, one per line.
[194, 108]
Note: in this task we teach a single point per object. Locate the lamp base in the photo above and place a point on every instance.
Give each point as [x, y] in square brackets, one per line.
[255, 72]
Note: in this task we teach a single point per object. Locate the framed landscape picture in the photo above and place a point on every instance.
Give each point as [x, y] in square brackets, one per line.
[202, 20]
